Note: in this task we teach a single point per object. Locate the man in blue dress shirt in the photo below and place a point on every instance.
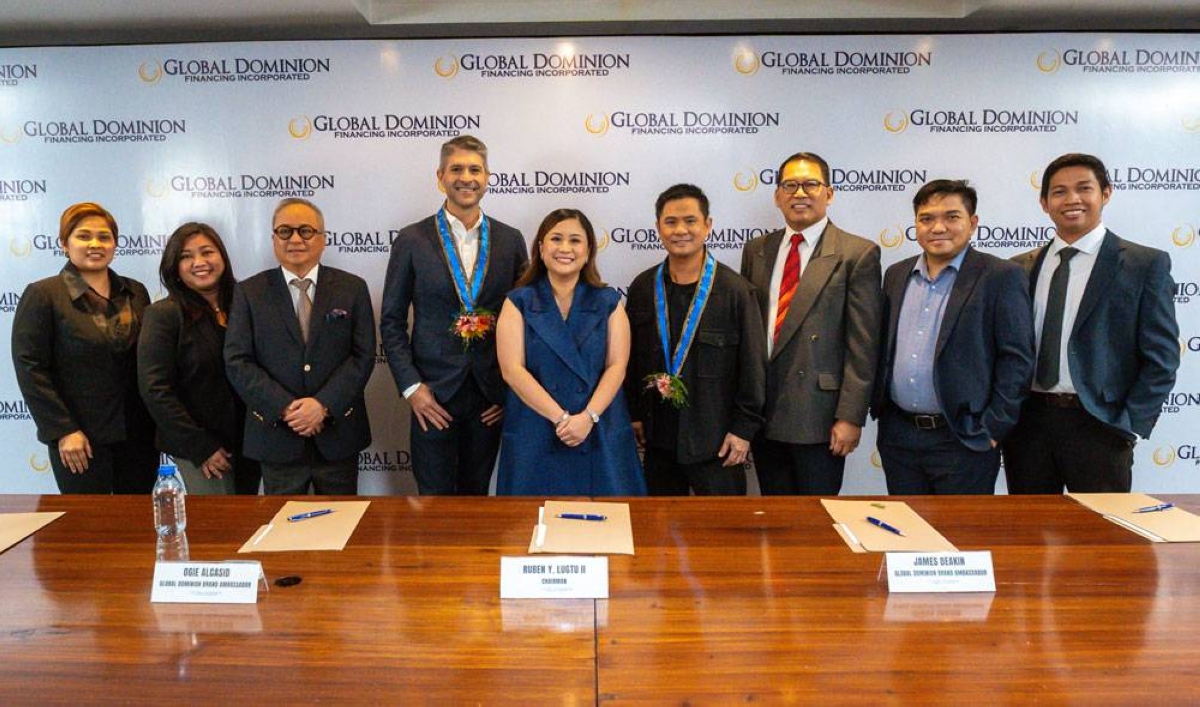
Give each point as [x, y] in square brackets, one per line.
[957, 353]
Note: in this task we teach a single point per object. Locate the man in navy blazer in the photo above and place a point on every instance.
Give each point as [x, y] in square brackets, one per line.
[453, 385]
[956, 356]
[299, 350]
[1108, 343]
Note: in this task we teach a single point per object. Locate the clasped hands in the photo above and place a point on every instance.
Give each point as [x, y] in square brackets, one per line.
[305, 416]
[572, 430]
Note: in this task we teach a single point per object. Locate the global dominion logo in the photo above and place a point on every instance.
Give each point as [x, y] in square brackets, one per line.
[852, 179]
[531, 65]
[14, 74]
[386, 126]
[1119, 61]
[685, 122]
[829, 63]
[980, 120]
[233, 70]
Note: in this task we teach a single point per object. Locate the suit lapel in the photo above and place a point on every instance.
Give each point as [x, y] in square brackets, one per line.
[1104, 273]
[544, 318]
[1032, 262]
[964, 285]
[325, 292]
[813, 279]
[760, 272]
[897, 288]
[281, 297]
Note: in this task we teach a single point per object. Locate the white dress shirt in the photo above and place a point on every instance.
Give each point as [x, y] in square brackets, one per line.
[294, 291]
[812, 236]
[1081, 269]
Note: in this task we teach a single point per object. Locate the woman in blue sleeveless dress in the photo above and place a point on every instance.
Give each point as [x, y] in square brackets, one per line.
[562, 340]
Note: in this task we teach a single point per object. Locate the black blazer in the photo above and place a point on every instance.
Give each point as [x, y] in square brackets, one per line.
[181, 375]
[66, 367]
[270, 366]
[418, 275]
[725, 371]
[1124, 348]
[984, 352]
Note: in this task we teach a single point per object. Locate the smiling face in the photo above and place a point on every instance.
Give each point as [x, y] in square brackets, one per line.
[91, 244]
[944, 227]
[1075, 202]
[463, 178]
[200, 264]
[296, 254]
[803, 209]
[683, 228]
[565, 248]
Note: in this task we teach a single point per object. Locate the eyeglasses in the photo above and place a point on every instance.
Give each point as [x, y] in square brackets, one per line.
[284, 233]
[811, 186]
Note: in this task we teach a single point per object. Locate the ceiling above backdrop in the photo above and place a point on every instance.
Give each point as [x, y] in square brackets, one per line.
[50, 22]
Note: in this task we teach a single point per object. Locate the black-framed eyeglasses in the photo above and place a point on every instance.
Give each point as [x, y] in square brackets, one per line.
[284, 233]
[810, 186]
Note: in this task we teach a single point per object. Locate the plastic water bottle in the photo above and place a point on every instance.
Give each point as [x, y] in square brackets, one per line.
[170, 515]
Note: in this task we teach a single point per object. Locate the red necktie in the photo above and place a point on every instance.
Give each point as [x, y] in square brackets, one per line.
[787, 286]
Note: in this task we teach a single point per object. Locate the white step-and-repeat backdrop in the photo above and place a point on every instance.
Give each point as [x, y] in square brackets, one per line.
[219, 132]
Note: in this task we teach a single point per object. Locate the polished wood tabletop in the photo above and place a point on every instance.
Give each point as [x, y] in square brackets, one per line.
[726, 600]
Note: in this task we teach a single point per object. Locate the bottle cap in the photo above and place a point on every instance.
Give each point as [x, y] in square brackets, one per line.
[166, 470]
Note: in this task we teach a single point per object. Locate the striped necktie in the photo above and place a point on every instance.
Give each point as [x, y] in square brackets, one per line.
[787, 286]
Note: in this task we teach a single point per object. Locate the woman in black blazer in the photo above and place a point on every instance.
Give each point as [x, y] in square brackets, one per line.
[74, 339]
[181, 367]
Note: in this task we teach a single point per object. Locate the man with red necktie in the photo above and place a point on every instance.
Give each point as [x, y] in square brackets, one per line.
[819, 289]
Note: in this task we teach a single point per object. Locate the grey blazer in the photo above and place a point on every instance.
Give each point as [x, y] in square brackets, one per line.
[823, 366]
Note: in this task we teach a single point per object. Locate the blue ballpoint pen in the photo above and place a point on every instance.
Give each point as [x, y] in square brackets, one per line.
[309, 514]
[1152, 509]
[581, 516]
[885, 526]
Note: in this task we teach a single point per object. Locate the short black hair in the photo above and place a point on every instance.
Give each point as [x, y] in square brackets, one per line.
[681, 191]
[1075, 159]
[807, 157]
[947, 187]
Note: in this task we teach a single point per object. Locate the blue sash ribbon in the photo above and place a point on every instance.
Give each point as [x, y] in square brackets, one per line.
[468, 293]
[690, 323]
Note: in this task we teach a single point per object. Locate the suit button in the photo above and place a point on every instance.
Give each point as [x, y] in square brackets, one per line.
[800, 373]
[307, 367]
[814, 337]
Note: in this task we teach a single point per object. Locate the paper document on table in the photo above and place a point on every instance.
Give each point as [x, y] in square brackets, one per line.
[15, 527]
[611, 536]
[1171, 525]
[919, 536]
[319, 531]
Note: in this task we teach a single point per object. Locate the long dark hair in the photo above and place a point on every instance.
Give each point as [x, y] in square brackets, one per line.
[193, 303]
[537, 269]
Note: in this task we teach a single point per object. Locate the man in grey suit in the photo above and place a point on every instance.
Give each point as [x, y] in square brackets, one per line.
[1107, 343]
[819, 290]
[299, 350]
[454, 269]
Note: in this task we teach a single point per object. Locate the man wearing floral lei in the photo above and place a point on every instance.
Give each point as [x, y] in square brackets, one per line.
[453, 268]
[697, 370]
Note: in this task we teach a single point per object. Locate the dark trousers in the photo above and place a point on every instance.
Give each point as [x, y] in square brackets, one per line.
[338, 477]
[1052, 448]
[456, 461]
[665, 476]
[247, 476]
[923, 462]
[797, 469]
[119, 467]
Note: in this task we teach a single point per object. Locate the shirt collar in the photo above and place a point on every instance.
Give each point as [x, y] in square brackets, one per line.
[312, 274]
[1089, 243]
[812, 234]
[77, 286]
[457, 226]
[955, 265]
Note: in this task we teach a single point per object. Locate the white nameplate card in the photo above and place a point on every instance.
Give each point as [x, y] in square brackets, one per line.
[940, 572]
[206, 582]
[554, 577]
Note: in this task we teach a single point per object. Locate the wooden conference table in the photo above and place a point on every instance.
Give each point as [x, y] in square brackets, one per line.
[727, 600]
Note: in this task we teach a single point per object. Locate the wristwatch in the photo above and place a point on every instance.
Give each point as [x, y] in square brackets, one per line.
[594, 416]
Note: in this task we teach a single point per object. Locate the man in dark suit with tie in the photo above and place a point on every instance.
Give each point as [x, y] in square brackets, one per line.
[1108, 343]
[818, 288]
[715, 331]
[957, 353]
[454, 269]
[299, 350]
